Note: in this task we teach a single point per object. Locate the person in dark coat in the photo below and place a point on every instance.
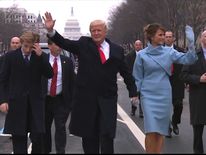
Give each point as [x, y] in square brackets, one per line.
[22, 100]
[130, 58]
[195, 76]
[94, 111]
[178, 87]
[58, 106]
[14, 44]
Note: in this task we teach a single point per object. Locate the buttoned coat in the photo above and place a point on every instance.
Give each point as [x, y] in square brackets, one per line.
[96, 86]
[191, 75]
[21, 84]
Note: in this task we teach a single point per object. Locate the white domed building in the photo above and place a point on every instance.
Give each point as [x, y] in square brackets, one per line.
[72, 29]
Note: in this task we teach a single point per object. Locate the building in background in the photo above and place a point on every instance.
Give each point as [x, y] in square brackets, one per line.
[72, 29]
[29, 21]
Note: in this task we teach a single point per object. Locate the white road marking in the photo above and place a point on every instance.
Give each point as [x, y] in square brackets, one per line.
[29, 149]
[5, 135]
[121, 121]
[139, 135]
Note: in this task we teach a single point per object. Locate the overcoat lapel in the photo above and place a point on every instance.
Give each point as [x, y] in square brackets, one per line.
[63, 62]
[94, 50]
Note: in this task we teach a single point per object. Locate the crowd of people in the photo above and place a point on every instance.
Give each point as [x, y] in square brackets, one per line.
[40, 88]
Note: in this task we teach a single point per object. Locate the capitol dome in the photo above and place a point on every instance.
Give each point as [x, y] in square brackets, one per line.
[72, 29]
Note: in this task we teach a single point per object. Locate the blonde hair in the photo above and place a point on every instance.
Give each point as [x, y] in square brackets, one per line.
[98, 22]
[28, 36]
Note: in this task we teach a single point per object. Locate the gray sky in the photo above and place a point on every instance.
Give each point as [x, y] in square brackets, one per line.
[84, 10]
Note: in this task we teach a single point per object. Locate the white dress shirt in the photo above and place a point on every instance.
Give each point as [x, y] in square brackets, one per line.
[105, 48]
[59, 74]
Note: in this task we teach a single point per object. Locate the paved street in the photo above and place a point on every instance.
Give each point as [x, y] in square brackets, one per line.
[130, 136]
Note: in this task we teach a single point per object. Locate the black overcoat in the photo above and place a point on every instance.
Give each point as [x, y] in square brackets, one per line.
[178, 86]
[96, 86]
[18, 84]
[197, 91]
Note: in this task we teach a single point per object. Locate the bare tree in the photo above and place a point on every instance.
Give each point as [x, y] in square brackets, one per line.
[128, 20]
[9, 27]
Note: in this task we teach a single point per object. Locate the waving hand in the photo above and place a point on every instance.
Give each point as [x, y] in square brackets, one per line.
[48, 21]
[190, 37]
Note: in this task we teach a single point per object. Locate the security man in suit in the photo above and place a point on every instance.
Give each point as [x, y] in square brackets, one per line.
[130, 58]
[58, 106]
[195, 76]
[94, 112]
[57, 103]
[178, 87]
[22, 100]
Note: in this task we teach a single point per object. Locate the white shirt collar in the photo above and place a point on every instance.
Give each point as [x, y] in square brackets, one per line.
[52, 57]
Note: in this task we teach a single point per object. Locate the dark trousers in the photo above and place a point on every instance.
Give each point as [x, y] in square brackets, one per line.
[103, 145]
[19, 144]
[177, 110]
[58, 112]
[197, 141]
[20, 141]
[38, 143]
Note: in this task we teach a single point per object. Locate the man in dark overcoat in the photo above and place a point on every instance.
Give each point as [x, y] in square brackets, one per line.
[195, 76]
[130, 59]
[178, 87]
[22, 100]
[94, 111]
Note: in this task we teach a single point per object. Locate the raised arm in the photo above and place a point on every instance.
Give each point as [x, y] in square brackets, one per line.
[190, 37]
[48, 21]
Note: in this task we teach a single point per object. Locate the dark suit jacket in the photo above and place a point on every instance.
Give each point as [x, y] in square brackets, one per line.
[178, 86]
[96, 86]
[197, 91]
[130, 59]
[68, 78]
[18, 82]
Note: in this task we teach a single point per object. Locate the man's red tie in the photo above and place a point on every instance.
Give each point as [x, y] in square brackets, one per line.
[54, 78]
[101, 53]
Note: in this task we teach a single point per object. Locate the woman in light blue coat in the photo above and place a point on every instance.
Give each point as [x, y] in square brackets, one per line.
[151, 71]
